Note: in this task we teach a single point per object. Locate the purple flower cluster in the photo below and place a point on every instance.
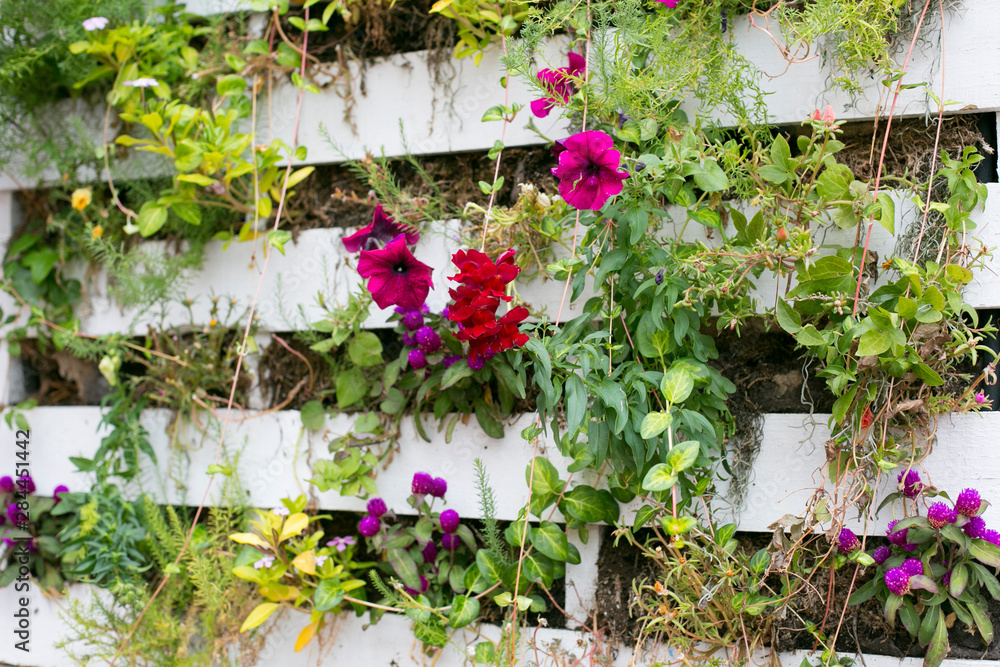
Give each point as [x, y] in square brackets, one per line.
[421, 337]
[425, 485]
[13, 490]
[897, 580]
[848, 541]
[940, 515]
[909, 483]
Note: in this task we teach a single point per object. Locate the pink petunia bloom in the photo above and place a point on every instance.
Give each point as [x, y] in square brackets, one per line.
[559, 84]
[588, 170]
[379, 232]
[396, 277]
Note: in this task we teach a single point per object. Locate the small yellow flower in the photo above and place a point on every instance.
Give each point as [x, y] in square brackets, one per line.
[81, 198]
[212, 322]
[97, 232]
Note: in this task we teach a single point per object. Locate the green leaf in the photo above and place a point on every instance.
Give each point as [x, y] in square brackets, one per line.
[351, 388]
[885, 213]
[457, 371]
[986, 553]
[546, 478]
[464, 610]
[277, 238]
[551, 540]
[864, 593]
[781, 154]
[655, 423]
[939, 646]
[152, 217]
[874, 342]
[982, 622]
[313, 415]
[712, 178]
[679, 525]
[404, 566]
[809, 336]
[683, 455]
[328, 595]
[788, 318]
[489, 564]
[365, 349]
[613, 396]
[230, 84]
[677, 385]
[772, 174]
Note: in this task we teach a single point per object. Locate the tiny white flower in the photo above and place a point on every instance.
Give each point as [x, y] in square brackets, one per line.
[144, 82]
[95, 23]
[280, 511]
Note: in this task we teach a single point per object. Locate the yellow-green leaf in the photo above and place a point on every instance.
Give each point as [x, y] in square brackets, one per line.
[294, 525]
[306, 636]
[248, 538]
[259, 614]
[306, 562]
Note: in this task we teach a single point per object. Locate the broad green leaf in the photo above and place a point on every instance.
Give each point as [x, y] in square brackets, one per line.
[551, 540]
[464, 610]
[655, 423]
[788, 318]
[683, 455]
[809, 336]
[152, 217]
[490, 566]
[259, 614]
[677, 385]
[659, 478]
[313, 415]
[873, 342]
[365, 349]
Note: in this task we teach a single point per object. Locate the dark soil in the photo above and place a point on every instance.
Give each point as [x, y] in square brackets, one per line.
[767, 371]
[337, 196]
[58, 378]
[280, 371]
[617, 567]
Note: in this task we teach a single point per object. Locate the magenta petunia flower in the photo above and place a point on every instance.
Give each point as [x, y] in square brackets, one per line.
[95, 23]
[588, 170]
[897, 580]
[396, 277]
[559, 84]
[379, 232]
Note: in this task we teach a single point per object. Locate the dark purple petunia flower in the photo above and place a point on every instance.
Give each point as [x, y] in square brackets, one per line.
[376, 507]
[909, 483]
[381, 231]
[898, 581]
[848, 541]
[588, 170]
[369, 526]
[968, 502]
[422, 484]
[439, 487]
[396, 277]
[450, 542]
[449, 521]
[559, 84]
[940, 515]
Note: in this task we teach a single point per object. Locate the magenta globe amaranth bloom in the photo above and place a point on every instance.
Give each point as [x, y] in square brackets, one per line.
[429, 552]
[6, 483]
[413, 320]
[897, 580]
[975, 527]
[439, 487]
[428, 340]
[422, 484]
[968, 502]
[940, 515]
[848, 541]
[12, 512]
[26, 484]
[416, 359]
[395, 276]
[588, 170]
[909, 483]
[376, 507]
[61, 489]
[898, 537]
[449, 521]
[992, 536]
[450, 541]
[881, 555]
[913, 567]
[369, 526]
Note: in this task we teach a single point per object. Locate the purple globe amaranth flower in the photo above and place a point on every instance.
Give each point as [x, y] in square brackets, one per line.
[369, 526]
[913, 566]
[848, 541]
[12, 512]
[429, 552]
[413, 320]
[61, 489]
[376, 507]
[940, 515]
[6, 483]
[423, 587]
[379, 232]
[477, 363]
[8, 541]
[95, 23]
[992, 536]
[450, 542]
[449, 360]
[968, 502]
[395, 276]
[881, 555]
[444, 313]
[975, 527]
[897, 580]
[946, 579]
[439, 487]
[428, 340]
[899, 537]
[910, 547]
[32, 546]
[588, 170]
[422, 484]
[909, 483]
[449, 521]
[409, 340]
[416, 359]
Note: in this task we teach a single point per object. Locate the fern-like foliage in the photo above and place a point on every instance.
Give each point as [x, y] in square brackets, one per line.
[488, 512]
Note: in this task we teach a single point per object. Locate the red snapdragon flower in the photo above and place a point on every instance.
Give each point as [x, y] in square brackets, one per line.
[588, 170]
[396, 277]
[379, 232]
[559, 84]
[482, 286]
